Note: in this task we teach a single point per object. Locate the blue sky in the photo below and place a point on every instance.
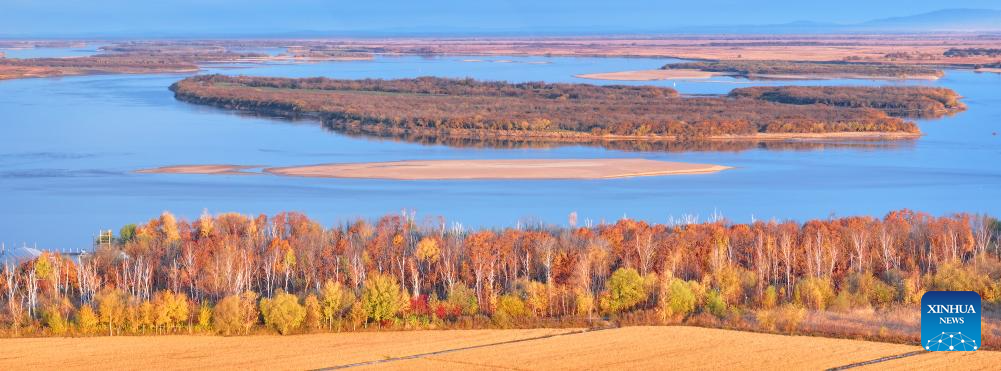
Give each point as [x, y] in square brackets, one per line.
[69, 17]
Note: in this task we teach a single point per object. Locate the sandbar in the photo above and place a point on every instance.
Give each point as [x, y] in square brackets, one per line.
[499, 169]
[649, 75]
[201, 169]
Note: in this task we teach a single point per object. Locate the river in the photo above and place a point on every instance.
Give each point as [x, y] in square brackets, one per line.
[70, 145]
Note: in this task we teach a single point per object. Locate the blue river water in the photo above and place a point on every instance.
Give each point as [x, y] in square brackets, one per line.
[69, 148]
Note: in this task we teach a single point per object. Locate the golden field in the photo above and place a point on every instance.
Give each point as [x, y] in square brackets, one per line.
[270, 352]
[659, 347]
[675, 347]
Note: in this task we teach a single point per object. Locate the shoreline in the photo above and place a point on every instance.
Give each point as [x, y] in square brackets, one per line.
[681, 74]
[581, 137]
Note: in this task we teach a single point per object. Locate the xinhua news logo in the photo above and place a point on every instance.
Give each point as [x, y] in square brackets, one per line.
[950, 321]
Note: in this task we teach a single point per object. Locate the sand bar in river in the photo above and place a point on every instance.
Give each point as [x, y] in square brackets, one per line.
[499, 169]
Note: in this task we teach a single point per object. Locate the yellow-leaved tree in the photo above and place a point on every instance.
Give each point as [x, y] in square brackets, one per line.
[283, 313]
[382, 297]
[335, 301]
[86, 319]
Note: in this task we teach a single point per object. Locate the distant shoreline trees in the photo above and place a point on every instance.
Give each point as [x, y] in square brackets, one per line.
[233, 274]
[900, 101]
[972, 52]
[778, 69]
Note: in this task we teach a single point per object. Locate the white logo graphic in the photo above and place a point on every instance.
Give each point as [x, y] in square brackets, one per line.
[951, 341]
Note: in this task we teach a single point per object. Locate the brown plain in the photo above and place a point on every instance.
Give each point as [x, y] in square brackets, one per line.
[499, 169]
[924, 49]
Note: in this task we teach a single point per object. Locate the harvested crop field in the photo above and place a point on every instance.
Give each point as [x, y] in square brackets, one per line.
[680, 347]
[244, 352]
[658, 347]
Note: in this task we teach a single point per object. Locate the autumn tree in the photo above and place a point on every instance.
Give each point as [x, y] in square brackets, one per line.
[625, 290]
[314, 314]
[283, 313]
[111, 307]
[382, 297]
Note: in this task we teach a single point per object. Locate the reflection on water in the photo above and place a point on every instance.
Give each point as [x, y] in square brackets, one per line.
[623, 145]
[485, 141]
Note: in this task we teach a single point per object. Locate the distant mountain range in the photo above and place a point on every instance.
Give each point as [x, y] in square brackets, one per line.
[960, 20]
[946, 20]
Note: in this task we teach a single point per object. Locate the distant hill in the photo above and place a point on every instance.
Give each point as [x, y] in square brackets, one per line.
[940, 20]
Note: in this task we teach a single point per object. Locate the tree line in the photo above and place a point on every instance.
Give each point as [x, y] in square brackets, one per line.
[901, 101]
[465, 107]
[972, 52]
[238, 274]
[763, 68]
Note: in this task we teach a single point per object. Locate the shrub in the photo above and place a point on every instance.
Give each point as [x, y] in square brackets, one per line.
[283, 313]
[335, 301]
[770, 298]
[766, 319]
[954, 277]
[86, 319]
[584, 302]
[625, 289]
[169, 309]
[463, 298]
[510, 308]
[841, 303]
[789, 317]
[111, 307]
[313, 312]
[54, 320]
[357, 315]
[146, 315]
[205, 317]
[382, 297]
[536, 295]
[868, 290]
[813, 292]
[677, 299]
[235, 314]
[133, 316]
[716, 304]
[732, 281]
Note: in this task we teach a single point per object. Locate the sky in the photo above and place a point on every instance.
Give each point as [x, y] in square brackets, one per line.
[233, 17]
